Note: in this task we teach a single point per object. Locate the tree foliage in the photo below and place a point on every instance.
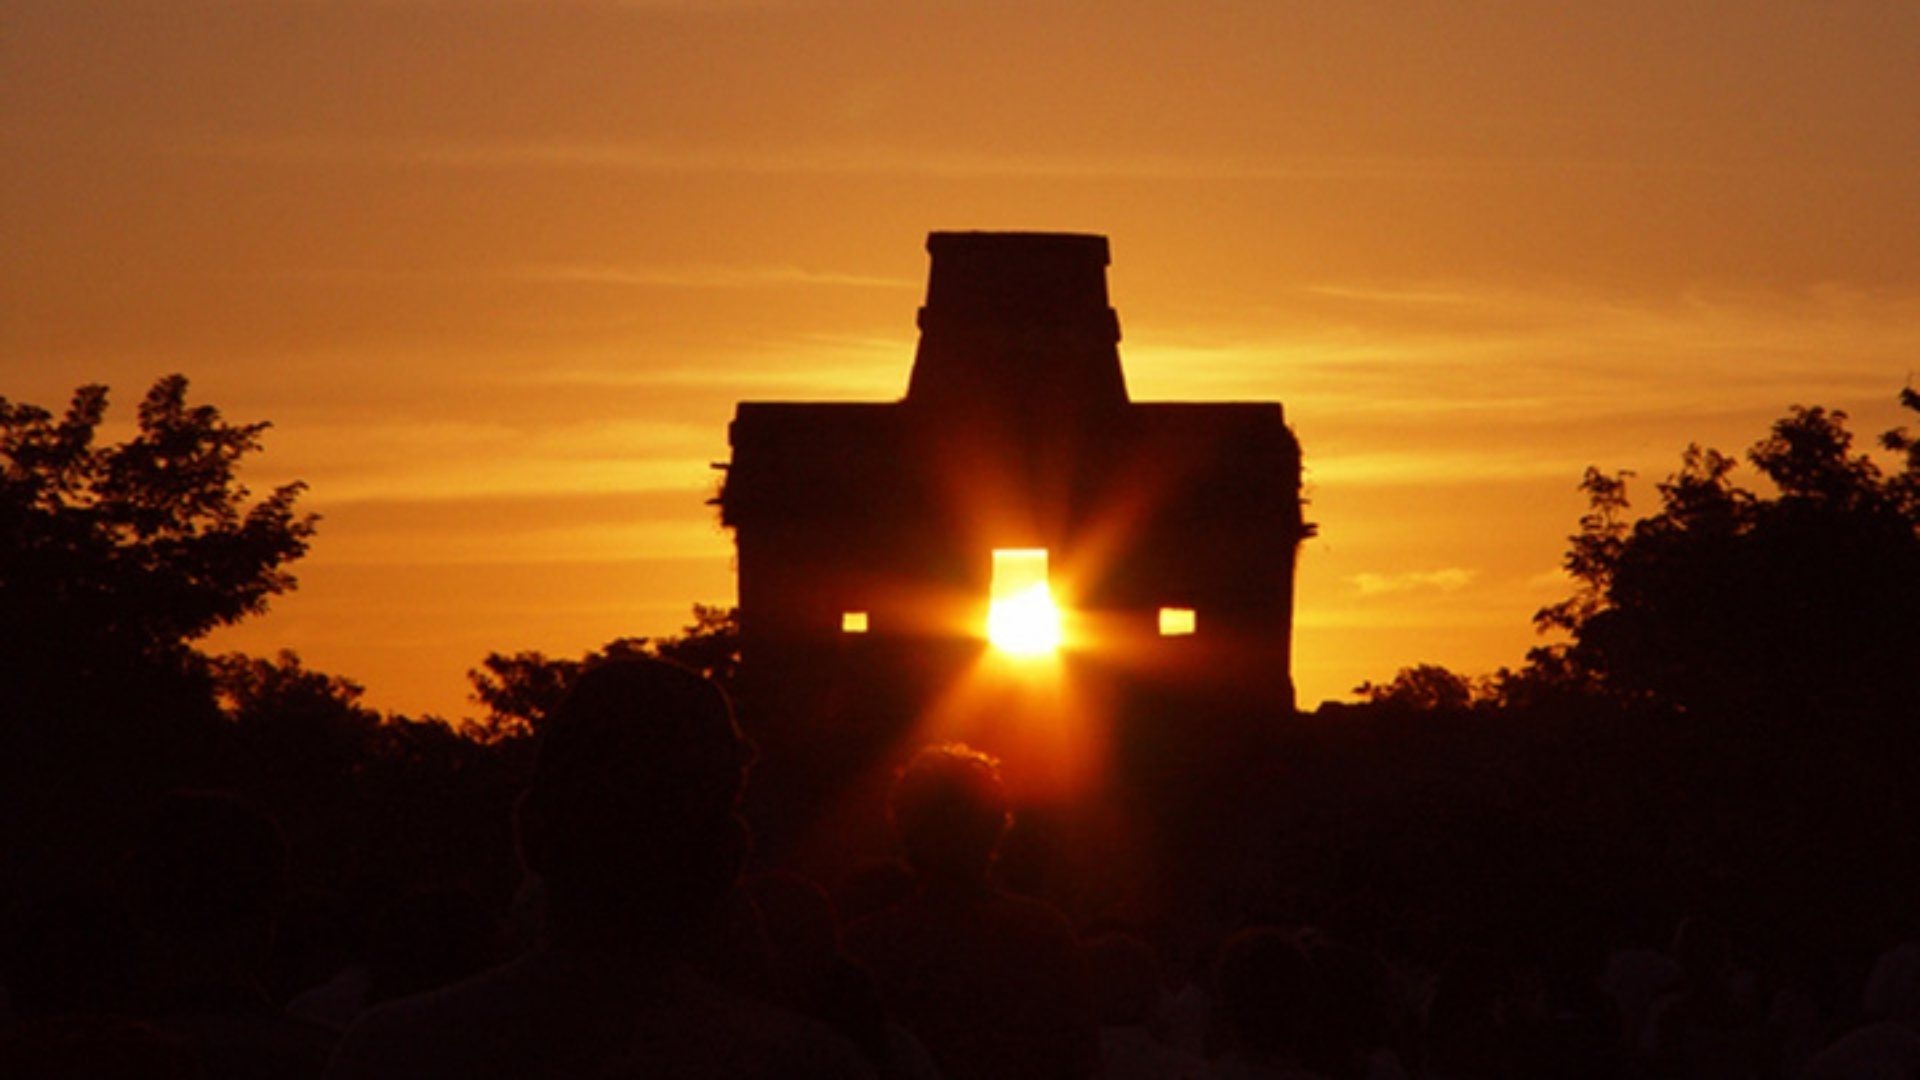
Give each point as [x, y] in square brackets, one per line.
[520, 690]
[302, 731]
[1423, 688]
[109, 552]
[254, 690]
[1802, 601]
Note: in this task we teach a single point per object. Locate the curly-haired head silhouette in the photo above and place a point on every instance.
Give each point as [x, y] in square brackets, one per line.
[950, 809]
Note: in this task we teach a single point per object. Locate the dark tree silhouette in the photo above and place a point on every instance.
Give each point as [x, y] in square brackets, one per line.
[256, 691]
[300, 730]
[119, 555]
[1422, 688]
[114, 559]
[361, 793]
[1800, 603]
[710, 644]
[520, 690]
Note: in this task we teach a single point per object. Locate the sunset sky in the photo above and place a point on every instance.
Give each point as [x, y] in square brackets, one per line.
[498, 270]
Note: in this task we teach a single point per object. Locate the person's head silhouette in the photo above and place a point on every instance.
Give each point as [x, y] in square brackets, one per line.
[1263, 995]
[950, 810]
[631, 819]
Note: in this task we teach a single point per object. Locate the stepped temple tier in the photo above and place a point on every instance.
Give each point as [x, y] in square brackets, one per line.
[1015, 507]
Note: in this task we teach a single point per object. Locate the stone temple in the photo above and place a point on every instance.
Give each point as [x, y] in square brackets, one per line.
[873, 538]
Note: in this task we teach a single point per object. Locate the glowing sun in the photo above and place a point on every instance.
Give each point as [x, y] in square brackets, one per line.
[1022, 618]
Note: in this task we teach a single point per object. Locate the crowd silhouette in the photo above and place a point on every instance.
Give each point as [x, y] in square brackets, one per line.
[640, 945]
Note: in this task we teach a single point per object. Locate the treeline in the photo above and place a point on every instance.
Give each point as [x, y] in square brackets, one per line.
[1729, 724]
[115, 561]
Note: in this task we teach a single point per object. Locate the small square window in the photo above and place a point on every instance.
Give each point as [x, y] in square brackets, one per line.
[1176, 621]
[853, 622]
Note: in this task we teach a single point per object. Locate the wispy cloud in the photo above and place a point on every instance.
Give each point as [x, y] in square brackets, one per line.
[457, 479]
[866, 158]
[1424, 297]
[671, 276]
[1457, 466]
[703, 277]
[1447, 579]
[696, 534]
[1501, 356]
[833, 367]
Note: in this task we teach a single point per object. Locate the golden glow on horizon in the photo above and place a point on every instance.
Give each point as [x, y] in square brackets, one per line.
[1022, 619]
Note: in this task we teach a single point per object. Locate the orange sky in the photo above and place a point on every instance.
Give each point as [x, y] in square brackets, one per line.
[498, 270]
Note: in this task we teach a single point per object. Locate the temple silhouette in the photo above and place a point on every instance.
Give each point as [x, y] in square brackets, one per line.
[871, 536]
